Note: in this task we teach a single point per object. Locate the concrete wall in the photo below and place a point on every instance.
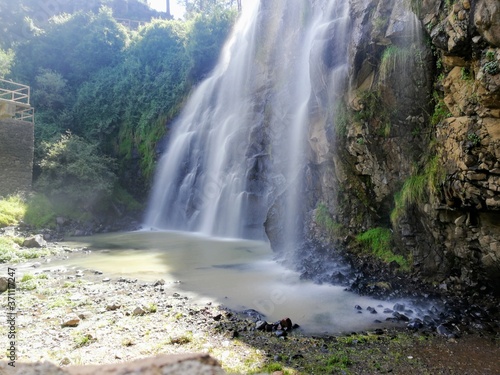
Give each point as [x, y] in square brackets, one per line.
[16, 156]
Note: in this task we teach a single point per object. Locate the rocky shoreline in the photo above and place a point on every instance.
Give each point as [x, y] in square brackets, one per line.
[70, 316]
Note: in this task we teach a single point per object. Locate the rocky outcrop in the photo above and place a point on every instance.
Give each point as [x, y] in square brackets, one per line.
[422, 116]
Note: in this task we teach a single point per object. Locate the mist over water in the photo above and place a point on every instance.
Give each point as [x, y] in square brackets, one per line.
[239, 274]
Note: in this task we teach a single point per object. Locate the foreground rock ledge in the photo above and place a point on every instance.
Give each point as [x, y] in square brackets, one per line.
[177, 364]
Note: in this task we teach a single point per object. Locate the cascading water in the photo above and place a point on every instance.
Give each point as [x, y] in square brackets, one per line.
[240, 144]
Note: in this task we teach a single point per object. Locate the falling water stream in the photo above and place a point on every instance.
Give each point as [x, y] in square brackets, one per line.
[239, 147]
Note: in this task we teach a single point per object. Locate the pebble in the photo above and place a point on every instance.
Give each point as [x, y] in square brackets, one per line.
[72, 320]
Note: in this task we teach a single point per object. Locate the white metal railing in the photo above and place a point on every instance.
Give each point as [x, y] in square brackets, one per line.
[14, 92]
[17, 97]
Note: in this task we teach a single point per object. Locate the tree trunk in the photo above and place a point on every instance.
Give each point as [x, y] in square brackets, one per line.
[168, 10]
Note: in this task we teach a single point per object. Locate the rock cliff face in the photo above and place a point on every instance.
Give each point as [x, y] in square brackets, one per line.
[417, 139]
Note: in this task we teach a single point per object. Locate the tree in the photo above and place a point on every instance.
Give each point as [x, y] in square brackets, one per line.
[207, 36]
[6, 59]
[169, 15]
[74, 173]
[194, 7]
[75, 46]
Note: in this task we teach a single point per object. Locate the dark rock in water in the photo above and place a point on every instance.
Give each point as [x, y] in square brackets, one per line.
[415, 324]
[253, 314]
[371, 310]
[286, 324]
[379, 331]
[399, 307]
[295, 326]
[388, 311]
[357, 307]
[400, 317]
[260, 325]
[429, 321]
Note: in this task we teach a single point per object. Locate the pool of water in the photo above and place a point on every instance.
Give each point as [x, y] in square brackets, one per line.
[239, 274]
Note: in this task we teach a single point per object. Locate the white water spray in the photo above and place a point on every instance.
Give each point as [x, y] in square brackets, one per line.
[240, 144]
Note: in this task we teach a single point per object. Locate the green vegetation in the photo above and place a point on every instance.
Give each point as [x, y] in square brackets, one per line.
[466, 74]
[31, 282]
[392, 57]
[325, 221]
[416, 6]
[75, 175]
[341, 119]
[11, 253]
[377, 242]
[80, 339]
[474, 139]
[12, 210]
[116, 90]
[40, 212]
[373, 110]
[441, 111]
[418, 189]
[6, 59]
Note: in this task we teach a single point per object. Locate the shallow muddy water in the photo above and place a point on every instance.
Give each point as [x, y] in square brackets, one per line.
[239, 274]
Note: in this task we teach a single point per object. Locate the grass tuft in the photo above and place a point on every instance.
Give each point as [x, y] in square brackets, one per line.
[377, 242]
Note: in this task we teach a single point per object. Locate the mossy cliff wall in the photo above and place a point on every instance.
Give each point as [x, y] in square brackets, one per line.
[16, 156]
[417, 144]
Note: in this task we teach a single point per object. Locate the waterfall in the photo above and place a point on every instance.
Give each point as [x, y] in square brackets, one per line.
[240, 145]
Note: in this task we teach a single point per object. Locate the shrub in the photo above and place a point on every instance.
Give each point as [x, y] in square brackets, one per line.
[416, 189]
[40, 212]
[73, 173]
[12, 210]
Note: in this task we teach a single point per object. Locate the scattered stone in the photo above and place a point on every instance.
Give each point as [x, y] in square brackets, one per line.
[371, 310]
[4, 284]
[113, 306]
[388, 311]
[72, 320]
[400, 317]
[217, 316]
[35, 241]
[159, 282]
[84, 315]
[415, 324]
[260, 325]
[138, 311]
[444, 331]
[280, 333]
[357, 307]
[286, 324]
[106, 279]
